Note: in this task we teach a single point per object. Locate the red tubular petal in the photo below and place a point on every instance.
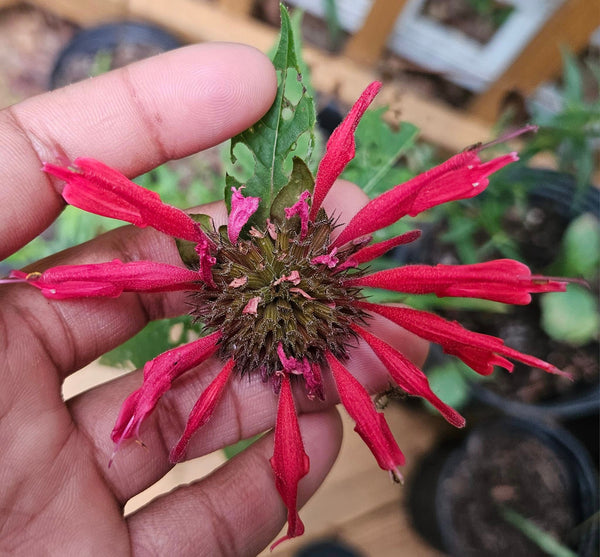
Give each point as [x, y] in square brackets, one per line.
[99, 189]
[480, 352]
[460, 177]
[110, 279]
[203, 410]
[159, 373]
[289, 461]
[370, 424]
[502, 280]
[366, 254]
[408, 376]
[533, 362]
[340, 148]
[475, 349]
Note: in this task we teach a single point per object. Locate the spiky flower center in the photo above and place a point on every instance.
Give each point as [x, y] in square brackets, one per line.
[271, 291]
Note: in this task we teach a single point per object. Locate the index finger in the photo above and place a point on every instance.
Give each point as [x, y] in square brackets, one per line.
[132, 119]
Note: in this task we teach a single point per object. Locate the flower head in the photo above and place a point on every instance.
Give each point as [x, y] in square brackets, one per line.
[283, 301]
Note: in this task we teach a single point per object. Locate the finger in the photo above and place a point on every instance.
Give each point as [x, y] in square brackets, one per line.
[236, 510]
[132, 119]
[248, 407]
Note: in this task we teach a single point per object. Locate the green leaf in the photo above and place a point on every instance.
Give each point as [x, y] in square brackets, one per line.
[572, 79]
[157, 337]
[449, 382]
[232, 450]
[544, 540]
[186, 248]
[378, 148]
[580, 250]
[275, 138]
[300, 181]
[570, 316]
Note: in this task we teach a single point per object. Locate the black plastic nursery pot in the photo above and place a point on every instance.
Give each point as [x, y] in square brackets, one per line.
[108, 46]
[460, 497]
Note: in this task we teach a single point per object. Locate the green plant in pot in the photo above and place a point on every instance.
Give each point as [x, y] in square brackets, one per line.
[548, 218]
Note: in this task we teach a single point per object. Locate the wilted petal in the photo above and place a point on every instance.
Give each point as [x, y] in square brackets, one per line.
[502, 280]
[460, 177]
[291, 364]
[252, 306]
[159, 373]
[203, 409]
[408, 376]
[370, 424]
[300, 208]
[110, 279]
[340, 148]
[242, 208]
[206, 261]
[314, 382]
[289, 461]
[310, 372]
[99, 189]
[328, 259]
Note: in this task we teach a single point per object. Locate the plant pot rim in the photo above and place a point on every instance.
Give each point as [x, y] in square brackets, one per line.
[584, 403]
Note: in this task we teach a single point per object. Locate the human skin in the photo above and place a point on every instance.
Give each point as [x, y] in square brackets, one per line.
[57, 494]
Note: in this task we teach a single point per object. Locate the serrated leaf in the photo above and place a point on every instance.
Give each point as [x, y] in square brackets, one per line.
[187, 249]
[274, 139]
[301, 180]
[378, 148]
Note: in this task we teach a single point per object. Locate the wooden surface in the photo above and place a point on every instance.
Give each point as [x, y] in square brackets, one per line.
[338, 76]
[86, 12]
[239, 7]
[369, 42]
[570, 26]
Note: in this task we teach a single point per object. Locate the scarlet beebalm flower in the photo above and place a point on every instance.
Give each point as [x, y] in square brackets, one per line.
[284, 301]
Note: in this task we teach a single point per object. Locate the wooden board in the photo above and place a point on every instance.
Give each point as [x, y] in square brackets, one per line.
[336, 76]
[369, 42]
[570, 26]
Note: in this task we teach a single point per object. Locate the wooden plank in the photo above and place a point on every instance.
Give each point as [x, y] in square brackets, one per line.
[238, 7]
[571, 25]
[367, 45]
[86, 12]
[386, 532]
[332, 75]
[202, 22]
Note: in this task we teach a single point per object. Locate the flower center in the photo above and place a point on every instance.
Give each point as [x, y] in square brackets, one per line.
[278, 287]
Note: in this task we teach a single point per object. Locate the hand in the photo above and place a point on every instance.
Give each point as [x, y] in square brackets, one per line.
[58, 496]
